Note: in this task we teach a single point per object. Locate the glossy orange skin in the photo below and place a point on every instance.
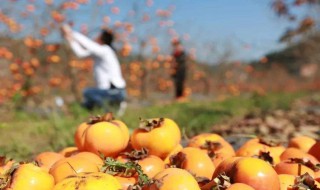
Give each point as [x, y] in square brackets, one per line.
[226, 151]
[108, 138]
[303, 143]
[69, 151]
[286, 181]
[295, 169]
[251, 171]
[79, 135]
[253, 148]
[151, 165]
[46, 159]
[197, 162]
[29, 176]
[240, 186]
[126, 181]
[90, 157]
[315, 150]
[160, 141]
[297, 153]
[71, 166]
[174, 179]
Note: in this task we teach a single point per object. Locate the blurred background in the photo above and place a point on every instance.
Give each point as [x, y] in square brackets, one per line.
[244, 56]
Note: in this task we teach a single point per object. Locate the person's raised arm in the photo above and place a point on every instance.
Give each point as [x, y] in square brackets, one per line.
[89, 45]
[75, 46]
[78, 50]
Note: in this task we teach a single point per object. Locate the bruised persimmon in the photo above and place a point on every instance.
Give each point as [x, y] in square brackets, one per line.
[159, 135]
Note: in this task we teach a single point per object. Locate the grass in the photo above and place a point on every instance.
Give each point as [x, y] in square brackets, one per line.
[26, 134]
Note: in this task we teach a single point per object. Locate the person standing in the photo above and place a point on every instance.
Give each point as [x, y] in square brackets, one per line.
[179, 69]
[110, 84]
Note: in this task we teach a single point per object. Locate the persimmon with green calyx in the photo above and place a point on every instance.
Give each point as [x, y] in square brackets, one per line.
[193, 160]
[129, 174]
[86, 181]
[106, 136]
[159, 135]
[173, 179]
[251, 171]
[150, 164]
[30, 176]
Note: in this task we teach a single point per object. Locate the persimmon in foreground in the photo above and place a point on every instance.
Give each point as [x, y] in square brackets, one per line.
[103, 135]
[159, 135]
[251, 171]
[86, 181]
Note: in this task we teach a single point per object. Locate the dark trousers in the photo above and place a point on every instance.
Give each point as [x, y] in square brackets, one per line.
[95, 97]
[179, 80]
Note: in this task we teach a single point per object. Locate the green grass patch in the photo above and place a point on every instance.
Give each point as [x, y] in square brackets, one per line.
[27, 134]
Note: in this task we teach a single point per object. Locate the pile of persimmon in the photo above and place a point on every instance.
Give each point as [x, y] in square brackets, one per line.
[107, 157]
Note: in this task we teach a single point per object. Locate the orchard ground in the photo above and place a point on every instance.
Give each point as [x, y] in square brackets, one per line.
[24, 134]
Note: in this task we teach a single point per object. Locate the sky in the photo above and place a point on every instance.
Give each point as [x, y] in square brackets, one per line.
[248, 28]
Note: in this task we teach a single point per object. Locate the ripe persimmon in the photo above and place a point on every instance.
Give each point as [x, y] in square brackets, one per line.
[177, 149]
[216, 147]
[297, 153]
[292, 168]
[90, 157]
[240, 186]
[71, 166]
[79, 135]
[195, 161]
[251, 171]
[286, 181]
[106, 136]
[46, 159]
[174, 179]
[69, 151]
[83, 181]
[256, 147]
[315, 150]
[303, 143]
[160, 136]
[30, 176]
